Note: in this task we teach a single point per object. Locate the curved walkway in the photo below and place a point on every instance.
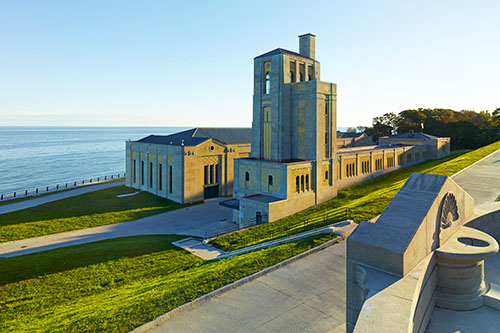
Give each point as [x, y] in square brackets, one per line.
[482, 181]
[7, 208]
[191, 221]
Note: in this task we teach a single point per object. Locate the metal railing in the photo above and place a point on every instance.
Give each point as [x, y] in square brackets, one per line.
[57, 187]
[214, 233]
[258, 235]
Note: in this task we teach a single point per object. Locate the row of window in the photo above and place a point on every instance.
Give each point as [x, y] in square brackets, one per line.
[211, 174]
[350, 170]
[378, 164]
[310, 75]
[365, 167]
[150, 175]
[302, 183]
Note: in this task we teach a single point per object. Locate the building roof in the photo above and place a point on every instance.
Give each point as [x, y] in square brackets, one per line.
[282, 51]
[344, 135]
[195, 136]
[414, 135]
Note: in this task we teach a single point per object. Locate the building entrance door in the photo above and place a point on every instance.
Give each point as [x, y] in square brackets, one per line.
[258, 218]
[211, 191]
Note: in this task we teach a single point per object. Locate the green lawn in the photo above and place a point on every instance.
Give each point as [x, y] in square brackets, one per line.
[366, 200]
[118, 284]
[83, 211]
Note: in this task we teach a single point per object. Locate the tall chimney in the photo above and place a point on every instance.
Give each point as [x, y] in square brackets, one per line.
[307, 45]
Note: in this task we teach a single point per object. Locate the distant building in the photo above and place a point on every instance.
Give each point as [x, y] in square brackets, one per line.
[345, 139]
[436, 147]
[187, 166]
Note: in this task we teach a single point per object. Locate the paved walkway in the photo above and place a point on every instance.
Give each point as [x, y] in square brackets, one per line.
[208, 252]
[36, 201]
[482, 182]
[192, 221]
[307, 295]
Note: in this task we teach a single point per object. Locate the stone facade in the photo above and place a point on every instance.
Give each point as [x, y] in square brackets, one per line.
[293, 136]
[183, 167]
[417, 255]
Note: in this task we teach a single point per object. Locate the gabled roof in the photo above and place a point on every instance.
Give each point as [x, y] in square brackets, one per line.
[195, 136]
[343, 135]
[415, 135]
[282, 51]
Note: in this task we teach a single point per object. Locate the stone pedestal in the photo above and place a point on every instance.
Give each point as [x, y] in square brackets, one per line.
[460, 269]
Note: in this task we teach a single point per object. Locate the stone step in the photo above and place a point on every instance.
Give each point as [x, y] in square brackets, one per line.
[492, 297]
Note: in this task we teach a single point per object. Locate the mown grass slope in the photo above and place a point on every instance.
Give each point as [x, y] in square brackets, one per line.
[366, 200]
[118, 284]
[83, 211]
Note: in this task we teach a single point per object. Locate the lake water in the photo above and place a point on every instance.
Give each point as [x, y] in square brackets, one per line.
[33, 157]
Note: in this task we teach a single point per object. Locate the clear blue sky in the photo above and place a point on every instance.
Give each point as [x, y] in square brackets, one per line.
[190, 63]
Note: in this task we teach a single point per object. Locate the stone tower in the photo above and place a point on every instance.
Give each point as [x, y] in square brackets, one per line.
[293, 151]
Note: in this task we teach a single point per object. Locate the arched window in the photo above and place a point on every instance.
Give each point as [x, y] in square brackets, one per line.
[307, 182]
[270, 180]
[292, 77]
[301, 77]
[247, 176]
[302, 183]
[309, 77]
[268, 82]
[297, 184]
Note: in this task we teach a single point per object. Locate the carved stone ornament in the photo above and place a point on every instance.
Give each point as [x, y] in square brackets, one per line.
[449, 210]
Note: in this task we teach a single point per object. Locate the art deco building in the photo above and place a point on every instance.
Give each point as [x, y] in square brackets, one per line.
[293, 137]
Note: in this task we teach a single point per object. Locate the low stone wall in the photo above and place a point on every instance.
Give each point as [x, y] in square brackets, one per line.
[488, 223]
[404, 306]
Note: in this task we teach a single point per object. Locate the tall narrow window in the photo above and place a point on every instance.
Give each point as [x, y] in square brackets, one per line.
[247, 176]
[327, 131]
[268, 83]
[297, 184]
[206, 175]
[134, 172]
[211, 174]
[160, 177]
[142, 172]
[302, 183]
[150, 174]
[326, 175]
[170, 179]
[307, 182]
[266, 143]
[270, 180]
[302, 73]
[216, 173]
[292, 77]
[310, 73]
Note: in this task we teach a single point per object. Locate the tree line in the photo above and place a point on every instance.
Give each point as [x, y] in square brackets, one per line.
[467, 129]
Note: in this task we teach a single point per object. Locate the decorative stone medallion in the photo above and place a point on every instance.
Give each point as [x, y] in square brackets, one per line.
[449, 210]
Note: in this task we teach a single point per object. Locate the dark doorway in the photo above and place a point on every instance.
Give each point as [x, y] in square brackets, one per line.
[258, 218]
[211, 191]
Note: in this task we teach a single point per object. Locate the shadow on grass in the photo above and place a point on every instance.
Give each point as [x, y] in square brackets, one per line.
[30, 266]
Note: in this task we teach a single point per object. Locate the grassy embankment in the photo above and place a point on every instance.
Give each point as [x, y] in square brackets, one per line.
[366, 200]
[87, 210]
[21, 196]
[119, 283]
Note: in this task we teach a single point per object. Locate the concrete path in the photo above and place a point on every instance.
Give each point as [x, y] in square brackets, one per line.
[36, 201]
[192, 221]
[208, 252]
[307, 295]
[482, 182]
